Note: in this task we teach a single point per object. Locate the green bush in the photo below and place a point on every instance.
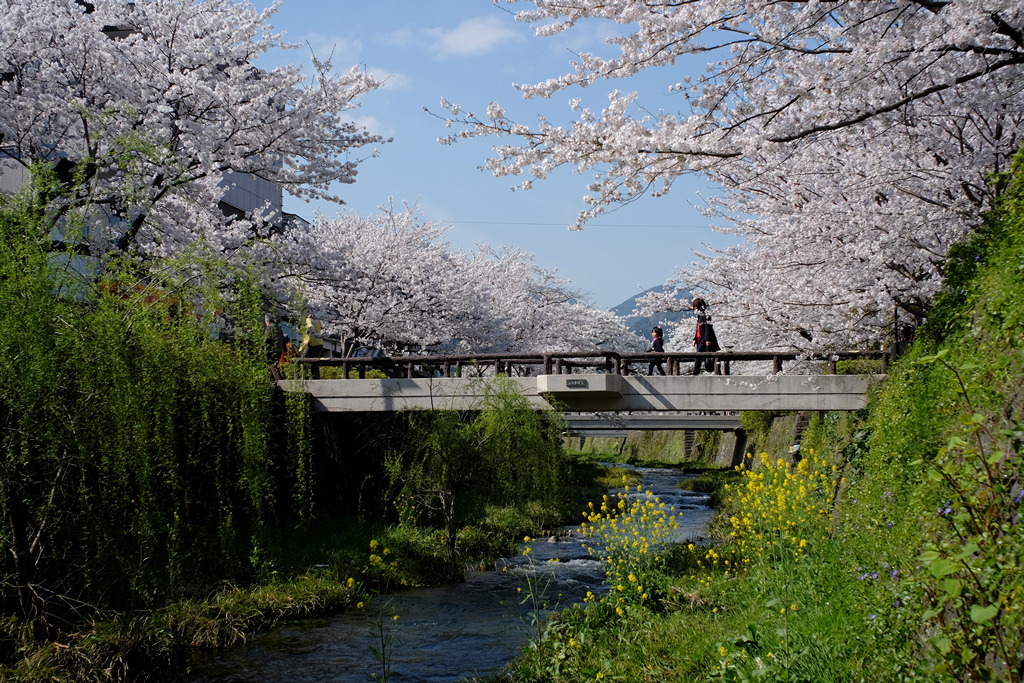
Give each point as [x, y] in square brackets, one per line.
[454, 466]
[141, 455]
[904, 562]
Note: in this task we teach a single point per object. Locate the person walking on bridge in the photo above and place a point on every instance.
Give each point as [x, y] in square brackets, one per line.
[312, 343]
[657, 346]
[704, 336]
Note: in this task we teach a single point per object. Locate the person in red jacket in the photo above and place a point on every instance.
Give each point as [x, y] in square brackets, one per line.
[704, 336]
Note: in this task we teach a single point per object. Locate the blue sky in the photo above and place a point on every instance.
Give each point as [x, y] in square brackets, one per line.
[471, 52]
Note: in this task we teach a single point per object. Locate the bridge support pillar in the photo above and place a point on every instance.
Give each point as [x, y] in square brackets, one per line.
[739, 451]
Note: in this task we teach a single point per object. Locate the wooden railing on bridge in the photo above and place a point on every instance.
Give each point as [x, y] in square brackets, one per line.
[610, 362]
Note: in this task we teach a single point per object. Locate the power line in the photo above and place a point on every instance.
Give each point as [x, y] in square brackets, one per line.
[586, 225]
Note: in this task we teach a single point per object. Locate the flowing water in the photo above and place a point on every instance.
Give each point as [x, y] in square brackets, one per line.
[442, 634]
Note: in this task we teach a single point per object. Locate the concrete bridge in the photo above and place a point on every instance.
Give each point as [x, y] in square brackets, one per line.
[590, 383]
[618, 425]
[608, 423]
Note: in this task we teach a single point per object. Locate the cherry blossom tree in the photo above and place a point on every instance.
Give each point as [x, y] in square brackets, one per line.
[519, 294]
[853, 142]
[385, 281]
[390, 281]
[153, 110]
[532, 309]
[155, 107]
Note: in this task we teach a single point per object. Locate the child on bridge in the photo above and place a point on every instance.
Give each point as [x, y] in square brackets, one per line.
[657, 346]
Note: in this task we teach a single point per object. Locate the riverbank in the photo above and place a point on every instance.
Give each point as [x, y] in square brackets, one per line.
[763, 582]
[446, 633]
[887, 547]
[336, 564]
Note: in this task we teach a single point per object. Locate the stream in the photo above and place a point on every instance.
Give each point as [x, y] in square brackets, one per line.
[446, 633]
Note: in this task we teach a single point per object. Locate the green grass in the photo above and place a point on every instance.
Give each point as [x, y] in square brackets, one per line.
[749, 617]
[916, 568]
[306, 570]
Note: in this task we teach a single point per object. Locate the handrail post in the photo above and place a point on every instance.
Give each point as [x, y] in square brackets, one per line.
[345, 366]
[776, 364]
[547, 363]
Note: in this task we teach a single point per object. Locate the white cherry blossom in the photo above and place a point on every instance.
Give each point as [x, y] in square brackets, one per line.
[153, 102]
[854, 143]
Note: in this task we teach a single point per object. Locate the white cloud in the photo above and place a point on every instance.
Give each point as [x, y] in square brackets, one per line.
[588, 37]
[403, 37]
[472, 36]
[375, 126]
[391, 80]
[343, 52]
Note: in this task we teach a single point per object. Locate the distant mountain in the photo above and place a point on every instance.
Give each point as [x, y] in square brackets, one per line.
[642, 325]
